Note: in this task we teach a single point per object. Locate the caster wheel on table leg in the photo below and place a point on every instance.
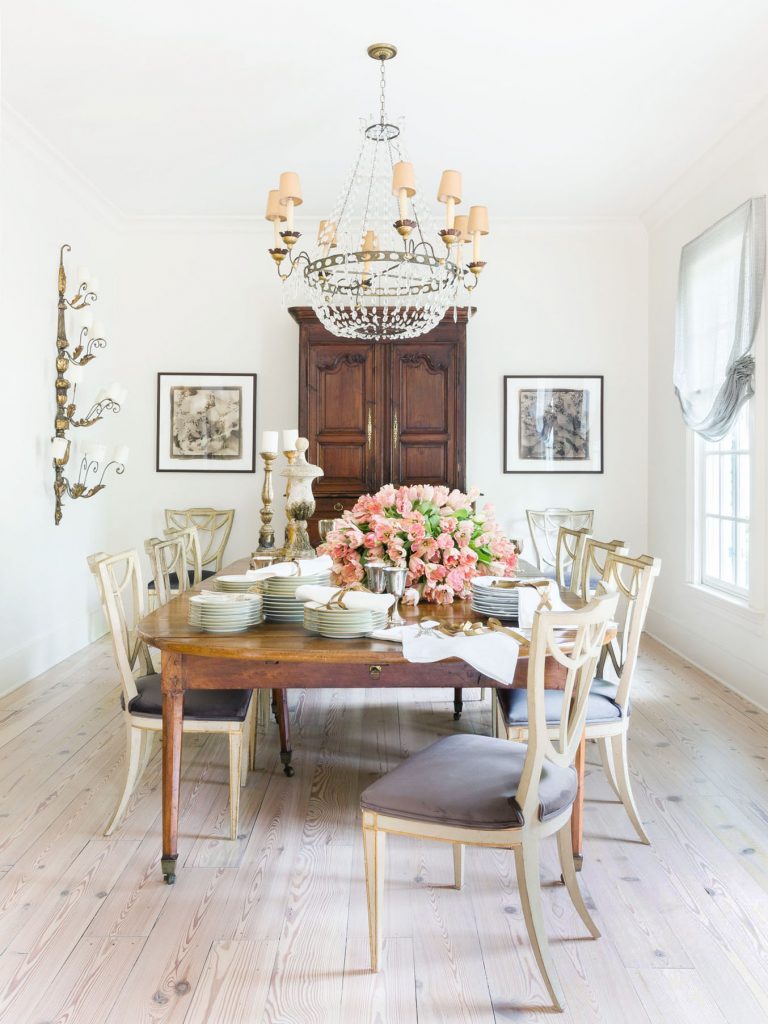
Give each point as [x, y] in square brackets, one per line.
[168, 867]
[289, 770]
[456, 716]
[169, 879]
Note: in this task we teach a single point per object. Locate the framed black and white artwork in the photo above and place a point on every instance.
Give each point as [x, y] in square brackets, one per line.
[206, 422]
[553, 424]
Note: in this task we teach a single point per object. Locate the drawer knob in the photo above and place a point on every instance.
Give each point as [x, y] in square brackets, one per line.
[338, 507]
[374, 671]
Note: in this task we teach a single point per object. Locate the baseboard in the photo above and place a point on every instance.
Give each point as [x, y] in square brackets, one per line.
[42, 653]
[753, 694]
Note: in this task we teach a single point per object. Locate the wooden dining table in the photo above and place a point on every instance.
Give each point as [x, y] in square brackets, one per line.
[284, 656]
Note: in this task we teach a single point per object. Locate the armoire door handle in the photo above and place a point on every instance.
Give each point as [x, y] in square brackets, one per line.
[395, 432]
[369, 429]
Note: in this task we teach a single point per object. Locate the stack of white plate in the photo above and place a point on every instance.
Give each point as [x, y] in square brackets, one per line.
[341, 623]
[225, 613]
[492, 595]
[234, 584]
[279, 594]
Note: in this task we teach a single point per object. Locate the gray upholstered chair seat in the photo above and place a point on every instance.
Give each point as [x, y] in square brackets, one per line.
[601, 704]
[203, 705]
[173, 578]
[467, 781]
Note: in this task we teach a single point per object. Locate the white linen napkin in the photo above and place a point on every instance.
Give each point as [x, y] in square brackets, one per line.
[492, 654]
[307, 567]
[352, 598]
[529, 599]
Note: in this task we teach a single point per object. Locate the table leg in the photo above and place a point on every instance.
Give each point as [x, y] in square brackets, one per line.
[458, 703]
[284, 726]
[577, 817]
[173, 730]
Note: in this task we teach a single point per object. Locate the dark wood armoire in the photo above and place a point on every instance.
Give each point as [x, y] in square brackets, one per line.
[378, 412]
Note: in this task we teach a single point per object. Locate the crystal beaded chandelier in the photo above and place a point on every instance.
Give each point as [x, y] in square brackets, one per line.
[374, 272]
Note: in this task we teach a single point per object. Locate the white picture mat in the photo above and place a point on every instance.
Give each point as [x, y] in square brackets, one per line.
[514, 463]
[168, 381]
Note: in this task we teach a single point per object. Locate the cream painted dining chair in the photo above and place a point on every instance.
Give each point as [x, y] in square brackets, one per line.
[188, 566]
[118, 579]
[543, 526]
[471, 790]
[608, 707]
[214, 526]
[593, 563]
[569, 555]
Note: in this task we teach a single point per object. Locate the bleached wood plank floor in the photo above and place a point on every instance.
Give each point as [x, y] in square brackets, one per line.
[272, 928]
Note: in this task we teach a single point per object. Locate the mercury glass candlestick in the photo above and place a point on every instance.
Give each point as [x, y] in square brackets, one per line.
[266, 533]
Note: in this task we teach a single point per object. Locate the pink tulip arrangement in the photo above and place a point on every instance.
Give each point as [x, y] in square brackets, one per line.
[434, 532]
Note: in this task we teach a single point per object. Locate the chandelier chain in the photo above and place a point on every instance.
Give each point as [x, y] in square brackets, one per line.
[382, 110]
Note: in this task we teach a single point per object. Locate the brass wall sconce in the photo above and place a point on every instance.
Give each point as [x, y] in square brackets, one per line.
[92, 464]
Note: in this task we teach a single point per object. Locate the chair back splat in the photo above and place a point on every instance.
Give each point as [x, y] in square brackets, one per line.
[214, 526]
[168, 563]
[579, 658]
[632, 579]
[544, 524]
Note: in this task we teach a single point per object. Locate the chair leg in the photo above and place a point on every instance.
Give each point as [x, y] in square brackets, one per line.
[568, 868]
[235, 754]
[619, 745]
[609, 768]
[147, 750]
[374, 843]
[246, 741]
[135, 741]
[529, 883]
[458, 865]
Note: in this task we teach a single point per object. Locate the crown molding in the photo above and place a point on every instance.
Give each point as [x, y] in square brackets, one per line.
[745, 136]
[26, 135]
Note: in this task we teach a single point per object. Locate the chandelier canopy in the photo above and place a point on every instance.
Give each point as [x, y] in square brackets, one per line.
[377, 270]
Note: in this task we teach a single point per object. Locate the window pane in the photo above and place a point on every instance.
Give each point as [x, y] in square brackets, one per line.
[712, 548]
[712, 485]
[743, 487]
[742, 555]
[727, 551]
[726, 485]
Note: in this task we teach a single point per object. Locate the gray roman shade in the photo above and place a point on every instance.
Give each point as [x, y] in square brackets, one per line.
[720, 292]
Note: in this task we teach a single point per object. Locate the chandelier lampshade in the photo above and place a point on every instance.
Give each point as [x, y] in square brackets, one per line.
[377, 269]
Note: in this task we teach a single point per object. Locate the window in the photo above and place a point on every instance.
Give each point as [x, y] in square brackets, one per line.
[723, 471]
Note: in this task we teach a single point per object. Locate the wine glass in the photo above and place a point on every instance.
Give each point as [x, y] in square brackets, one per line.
[324, 527]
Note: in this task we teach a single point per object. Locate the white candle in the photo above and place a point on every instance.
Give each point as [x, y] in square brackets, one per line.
[290, 437]
[83, 275]
[449, 212]
[403, 197]
[101, 396]
[93, 284]
[96, 453]
[59, 447]
[87, 322]
[117, 393]
[74, 374]
[289, 212]
[269, 441]
[121, 454]
[98, 330]
[475, 246]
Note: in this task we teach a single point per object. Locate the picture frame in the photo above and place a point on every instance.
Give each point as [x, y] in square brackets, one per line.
[553, 423]
[206, 422]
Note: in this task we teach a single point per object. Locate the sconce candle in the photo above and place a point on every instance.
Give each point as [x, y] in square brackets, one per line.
[59, 447]
[121, 454]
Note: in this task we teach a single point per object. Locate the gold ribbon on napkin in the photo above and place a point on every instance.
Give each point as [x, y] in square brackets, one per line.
[478, 629]
[337, 600]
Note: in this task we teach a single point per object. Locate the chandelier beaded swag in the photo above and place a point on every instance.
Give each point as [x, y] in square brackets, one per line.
[373, 272]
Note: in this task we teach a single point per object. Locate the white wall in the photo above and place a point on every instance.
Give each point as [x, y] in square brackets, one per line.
[564, 299]
[45, 590]
[728, 641]
[200, 295]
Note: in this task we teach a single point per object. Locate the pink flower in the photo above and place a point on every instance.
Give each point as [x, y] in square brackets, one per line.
[444, 540]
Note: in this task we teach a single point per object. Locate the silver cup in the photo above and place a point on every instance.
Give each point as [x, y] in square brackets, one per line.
[324, 527]
[262, 561]
[395, 584]
[375, 578]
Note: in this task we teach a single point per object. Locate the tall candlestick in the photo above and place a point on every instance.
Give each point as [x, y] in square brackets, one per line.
[269, 441]
[267, 533]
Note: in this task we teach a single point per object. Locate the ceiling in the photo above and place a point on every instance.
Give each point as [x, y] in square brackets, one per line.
[550, 109]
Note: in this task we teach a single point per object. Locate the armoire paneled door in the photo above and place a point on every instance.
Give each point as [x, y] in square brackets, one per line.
[381, 412]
